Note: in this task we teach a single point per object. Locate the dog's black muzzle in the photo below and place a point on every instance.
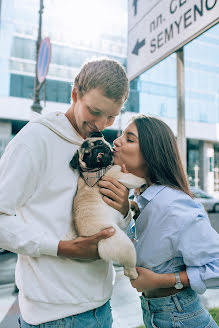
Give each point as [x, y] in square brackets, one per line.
[99, 156]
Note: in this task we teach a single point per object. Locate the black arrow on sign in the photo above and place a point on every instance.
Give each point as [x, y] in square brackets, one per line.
[135, 6]
[138, 46]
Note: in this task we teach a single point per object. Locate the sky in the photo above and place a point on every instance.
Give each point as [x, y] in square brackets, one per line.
[88, 18]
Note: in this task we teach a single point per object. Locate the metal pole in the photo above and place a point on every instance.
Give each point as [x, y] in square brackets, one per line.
[0, 11]
[36, 104]
[181, 137]
[0, 15]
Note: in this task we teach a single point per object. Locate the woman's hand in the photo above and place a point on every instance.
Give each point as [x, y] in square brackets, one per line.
[147, 280]
[114, 193]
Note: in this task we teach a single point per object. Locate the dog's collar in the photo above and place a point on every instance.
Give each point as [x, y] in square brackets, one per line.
[93, 176]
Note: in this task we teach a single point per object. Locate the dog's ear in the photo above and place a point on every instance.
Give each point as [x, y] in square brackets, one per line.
[97, 134]
[75, 161]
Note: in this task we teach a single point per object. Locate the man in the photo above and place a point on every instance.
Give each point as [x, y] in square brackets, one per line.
[60, 282]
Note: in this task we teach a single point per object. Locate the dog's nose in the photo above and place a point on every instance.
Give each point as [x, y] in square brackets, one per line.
[96, 134]
[99, 156]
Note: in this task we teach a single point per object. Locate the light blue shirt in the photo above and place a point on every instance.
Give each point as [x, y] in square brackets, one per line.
[173, 233]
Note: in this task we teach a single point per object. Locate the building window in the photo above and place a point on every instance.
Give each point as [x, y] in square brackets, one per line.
[202, 76]
[193, 159]
[216, 167]
[21, 86]
[57, 91]
[24, 48]
[158, 89]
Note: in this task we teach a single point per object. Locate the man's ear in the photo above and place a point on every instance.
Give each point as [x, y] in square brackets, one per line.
[74, 95]
[75, 161]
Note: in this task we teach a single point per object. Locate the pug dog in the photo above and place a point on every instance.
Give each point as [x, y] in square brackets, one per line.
[91, 214]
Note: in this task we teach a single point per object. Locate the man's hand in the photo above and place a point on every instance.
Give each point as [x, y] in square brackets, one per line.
[115, 194]
[83, 247]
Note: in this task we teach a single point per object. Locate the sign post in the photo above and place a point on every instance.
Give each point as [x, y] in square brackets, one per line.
[42, 66]
[156, 29]
[36, 107]
[181, 135]
[43, 54]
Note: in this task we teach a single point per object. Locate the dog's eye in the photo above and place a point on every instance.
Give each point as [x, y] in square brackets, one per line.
[85, 157]
[98, 142]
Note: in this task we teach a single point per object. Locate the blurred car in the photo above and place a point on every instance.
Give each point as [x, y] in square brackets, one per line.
[210, 203]
[7, 270]
[2, 250]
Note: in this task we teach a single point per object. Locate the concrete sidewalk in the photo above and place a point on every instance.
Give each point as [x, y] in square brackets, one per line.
[125, 302]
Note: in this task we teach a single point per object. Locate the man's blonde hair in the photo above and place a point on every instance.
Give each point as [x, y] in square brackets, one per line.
[104, 74]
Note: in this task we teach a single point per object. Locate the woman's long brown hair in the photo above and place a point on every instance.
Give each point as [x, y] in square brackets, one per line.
[160, 151]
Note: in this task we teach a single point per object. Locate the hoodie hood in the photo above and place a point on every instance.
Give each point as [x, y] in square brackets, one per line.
[58, 123]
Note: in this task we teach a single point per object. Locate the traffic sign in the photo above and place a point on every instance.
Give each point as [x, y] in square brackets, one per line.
[43, 59]
[157, 28]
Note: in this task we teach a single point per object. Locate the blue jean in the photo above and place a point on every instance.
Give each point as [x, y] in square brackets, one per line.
[181, 310]
[98, 318]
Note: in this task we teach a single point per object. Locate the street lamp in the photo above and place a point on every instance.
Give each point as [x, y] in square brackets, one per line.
[36, 107]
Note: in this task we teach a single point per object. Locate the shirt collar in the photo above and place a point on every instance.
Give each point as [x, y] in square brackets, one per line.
[152, 191]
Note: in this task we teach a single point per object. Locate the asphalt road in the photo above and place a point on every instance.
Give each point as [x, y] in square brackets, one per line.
[214, 218]
[7, 266]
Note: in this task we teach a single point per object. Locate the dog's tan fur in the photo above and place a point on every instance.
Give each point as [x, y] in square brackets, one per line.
[91, 215]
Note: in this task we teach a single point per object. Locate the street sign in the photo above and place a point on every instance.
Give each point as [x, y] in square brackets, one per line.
[43, 59]
[157, 28]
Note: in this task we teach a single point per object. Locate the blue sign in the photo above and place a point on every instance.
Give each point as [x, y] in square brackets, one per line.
[43, 59]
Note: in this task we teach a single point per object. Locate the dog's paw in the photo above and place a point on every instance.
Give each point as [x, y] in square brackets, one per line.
[131, 273]
[135, 209]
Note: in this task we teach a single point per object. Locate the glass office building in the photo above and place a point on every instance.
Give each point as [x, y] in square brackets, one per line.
[77, 36]
[157, 89]
[69, 51]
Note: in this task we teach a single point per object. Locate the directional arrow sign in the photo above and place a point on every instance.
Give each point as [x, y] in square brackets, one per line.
[135, 3]
[157, 28]
[138, 46]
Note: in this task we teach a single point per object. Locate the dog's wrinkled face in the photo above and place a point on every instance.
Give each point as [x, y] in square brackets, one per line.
[95, 152]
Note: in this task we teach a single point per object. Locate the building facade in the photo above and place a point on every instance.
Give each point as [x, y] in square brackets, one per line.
[75, 37]
[72, 44]
[158, 96]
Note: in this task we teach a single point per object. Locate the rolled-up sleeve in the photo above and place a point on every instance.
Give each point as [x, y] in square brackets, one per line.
[198, 243]
[203, 277]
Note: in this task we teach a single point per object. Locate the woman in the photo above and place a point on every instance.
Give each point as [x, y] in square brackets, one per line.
[177, 249]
